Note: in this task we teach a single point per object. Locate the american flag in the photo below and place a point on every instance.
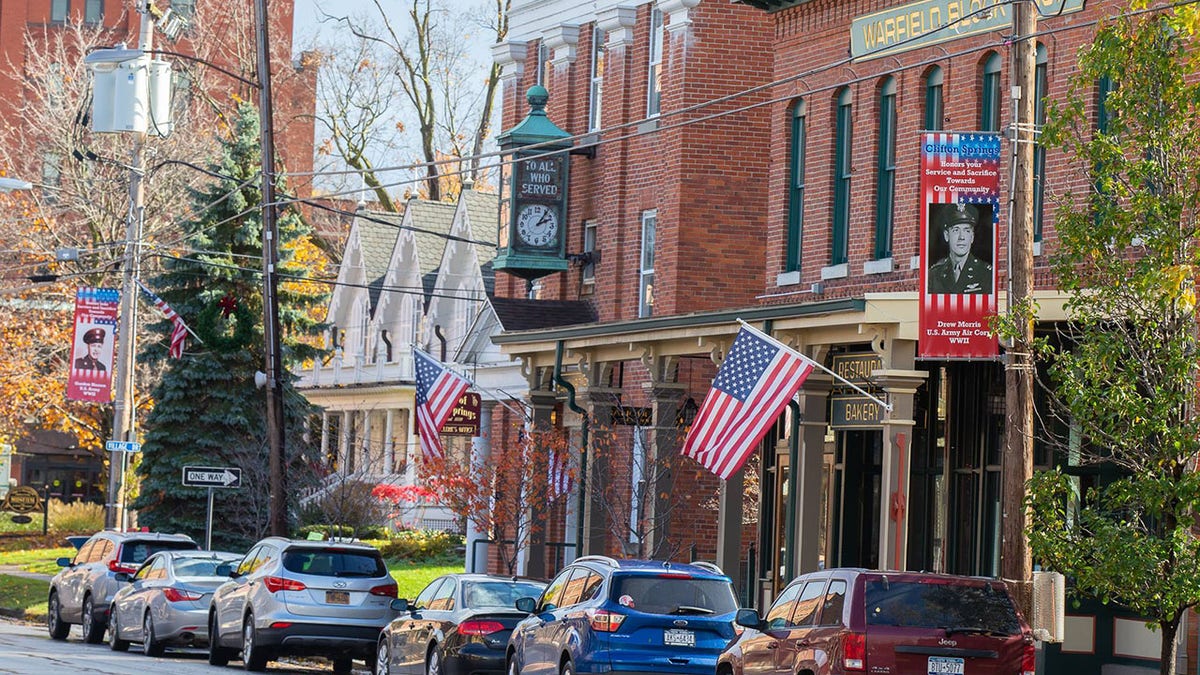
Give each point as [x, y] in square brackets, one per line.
[438, 389]
[752, 386]
[179, 329]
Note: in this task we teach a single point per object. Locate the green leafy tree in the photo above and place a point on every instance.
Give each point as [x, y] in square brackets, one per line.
[207, 409]
[1123, 369]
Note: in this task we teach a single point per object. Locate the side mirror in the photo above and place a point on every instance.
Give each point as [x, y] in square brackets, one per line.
[224, 570]
[748, 618]
[63, 562]
[400, 604]
[527, 605]
[123, 576]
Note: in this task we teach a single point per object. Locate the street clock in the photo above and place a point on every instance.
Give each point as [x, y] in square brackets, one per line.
[532, 236]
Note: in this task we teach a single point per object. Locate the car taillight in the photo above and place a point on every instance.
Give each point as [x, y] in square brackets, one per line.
[179, 595]
[116, 566]
[386, 590]
[604, 620]
[854, 651]
[276, 584]
[1029, 660]
[479, 627]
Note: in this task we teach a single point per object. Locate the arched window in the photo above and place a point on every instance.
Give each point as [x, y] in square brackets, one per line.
[841, 179]
[989, 105]
[885, 168]
[795, 232]
[935, 108]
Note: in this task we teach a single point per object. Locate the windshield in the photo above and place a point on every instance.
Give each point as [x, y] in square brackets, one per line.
[938, 604]
[498, 593]
[671, 594]
[334, 563]
[198, 567]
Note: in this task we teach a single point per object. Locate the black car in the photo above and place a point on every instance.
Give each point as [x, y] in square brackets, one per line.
[459, 624]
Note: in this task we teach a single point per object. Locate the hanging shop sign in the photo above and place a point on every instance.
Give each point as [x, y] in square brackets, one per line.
[849, 409]
[464, 418]
[855, 412]
[928, 22]
[960, 223]
[90, 377]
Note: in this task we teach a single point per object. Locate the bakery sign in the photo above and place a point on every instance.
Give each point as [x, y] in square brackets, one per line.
[849, 409]
[929, 22]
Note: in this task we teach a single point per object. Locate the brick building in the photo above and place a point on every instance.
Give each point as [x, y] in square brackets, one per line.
[794, 204]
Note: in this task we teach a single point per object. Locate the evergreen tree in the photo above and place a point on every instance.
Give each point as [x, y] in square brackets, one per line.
[207, 409]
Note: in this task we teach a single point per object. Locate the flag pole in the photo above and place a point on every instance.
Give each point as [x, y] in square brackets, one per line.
[185, 326]
[886, 406]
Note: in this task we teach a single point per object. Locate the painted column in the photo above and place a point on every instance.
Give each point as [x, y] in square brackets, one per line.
[324, 437]
[814, 423]
[481, 452]
[366, 456]
[900, 386]
[599, 402]
[389, 445]
[662, 446]
[344, 442]
[542, 402]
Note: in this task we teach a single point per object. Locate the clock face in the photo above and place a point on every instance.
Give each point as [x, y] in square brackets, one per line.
[537, 225]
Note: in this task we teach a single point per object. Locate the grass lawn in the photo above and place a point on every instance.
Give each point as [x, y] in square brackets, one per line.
[412, 577]
[23, 598]
[39, 560]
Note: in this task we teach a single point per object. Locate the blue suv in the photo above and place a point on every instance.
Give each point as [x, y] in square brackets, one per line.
[601, 615]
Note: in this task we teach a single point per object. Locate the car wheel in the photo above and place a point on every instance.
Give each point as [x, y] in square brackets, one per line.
[151, 646]
[343, 664]
[567, 668]
[383, 658]
[217, 655]
[512, 665]
[115, 642]
[433, 664]
[253, 656]
[93, 630]
[58, 628]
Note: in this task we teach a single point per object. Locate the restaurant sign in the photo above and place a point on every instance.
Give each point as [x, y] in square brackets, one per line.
[928, 22]
[849, 409]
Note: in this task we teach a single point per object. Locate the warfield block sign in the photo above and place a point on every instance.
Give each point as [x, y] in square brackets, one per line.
[928, 22]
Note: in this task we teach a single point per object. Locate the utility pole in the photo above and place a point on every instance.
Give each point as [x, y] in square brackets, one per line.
[1016, 562]
[123, 377]
[274, 363]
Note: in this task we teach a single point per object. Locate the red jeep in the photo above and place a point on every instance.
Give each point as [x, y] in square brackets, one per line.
[850, 621]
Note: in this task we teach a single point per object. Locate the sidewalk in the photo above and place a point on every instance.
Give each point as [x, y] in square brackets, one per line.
[16, 571]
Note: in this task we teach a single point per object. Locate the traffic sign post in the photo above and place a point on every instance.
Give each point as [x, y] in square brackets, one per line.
[211, 477]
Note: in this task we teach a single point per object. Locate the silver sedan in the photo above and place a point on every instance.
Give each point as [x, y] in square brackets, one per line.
[166, 601]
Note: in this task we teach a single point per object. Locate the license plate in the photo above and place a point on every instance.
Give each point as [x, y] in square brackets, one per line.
[343, 598]
[676, 637]
[946, 665]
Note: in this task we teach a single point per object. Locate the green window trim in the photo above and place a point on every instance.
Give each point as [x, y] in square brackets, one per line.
[839, 253]
[989, 109]
[935, 105]
[1040, 90]
[796, 170]
[885, 191]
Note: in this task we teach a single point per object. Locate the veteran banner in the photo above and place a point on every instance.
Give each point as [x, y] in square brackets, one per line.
[96, 311]
[960, 217]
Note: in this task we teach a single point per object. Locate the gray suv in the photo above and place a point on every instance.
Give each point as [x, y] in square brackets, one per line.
[83, 590]
[316, 598]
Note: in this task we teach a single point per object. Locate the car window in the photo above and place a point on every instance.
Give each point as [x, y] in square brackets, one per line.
[85, 553]
[677, 594]
[427, 593]
[808, 604]
[781, 612]
[197, 567]
[835, 602]
[504, 594]
[247, 563]
[939, 604]
[554, 591]
[158, 570]
[265, 556]
[143, 572]
[136, 552]
[573, 591]
[331, 562]
[444, 598]
[103, 551]
[591, 588]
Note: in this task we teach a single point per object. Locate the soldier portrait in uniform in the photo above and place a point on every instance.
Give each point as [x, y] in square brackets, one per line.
[960, 246]
[93, 340]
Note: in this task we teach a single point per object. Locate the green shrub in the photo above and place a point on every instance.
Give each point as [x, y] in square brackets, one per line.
[422, 545]
[349, 507]
[76, 516]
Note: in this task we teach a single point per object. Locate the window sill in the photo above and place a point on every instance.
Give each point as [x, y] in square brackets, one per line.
[835, 271]
[914, 263]
[1037, 248]
[788, 278]
[881, 266]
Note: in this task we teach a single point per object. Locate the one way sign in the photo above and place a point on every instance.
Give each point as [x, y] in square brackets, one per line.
[212, 476]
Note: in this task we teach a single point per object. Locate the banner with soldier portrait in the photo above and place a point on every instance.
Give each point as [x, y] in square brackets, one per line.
[960, 217]
[96, 311]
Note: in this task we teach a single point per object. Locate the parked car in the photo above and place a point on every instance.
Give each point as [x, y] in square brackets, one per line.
[458, 625]
[864, 621]
[166, 601]
[316, 598]
[82, 592]
[603, 615]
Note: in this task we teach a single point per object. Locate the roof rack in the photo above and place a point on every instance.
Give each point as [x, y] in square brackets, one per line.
[705, 565]
[602, 559]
